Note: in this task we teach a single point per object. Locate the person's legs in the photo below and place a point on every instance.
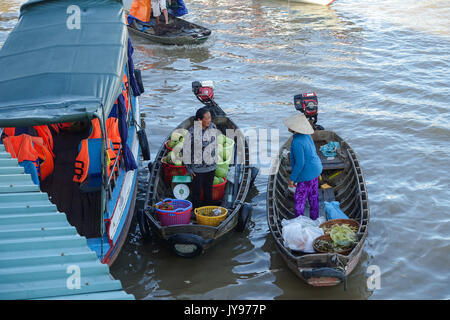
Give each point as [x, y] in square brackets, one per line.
[313, 198]
[301, 193]
[163, 8]
[196, 190]
[208, 180]
[156, 9]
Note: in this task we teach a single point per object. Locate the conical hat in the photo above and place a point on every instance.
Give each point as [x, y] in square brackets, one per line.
[299, 124]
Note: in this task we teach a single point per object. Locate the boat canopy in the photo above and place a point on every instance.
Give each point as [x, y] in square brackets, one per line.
[63, 62]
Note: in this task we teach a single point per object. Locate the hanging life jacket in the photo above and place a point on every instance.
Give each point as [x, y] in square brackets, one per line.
[41, 131]
[58, 127]
[88, 161]
[27, 148]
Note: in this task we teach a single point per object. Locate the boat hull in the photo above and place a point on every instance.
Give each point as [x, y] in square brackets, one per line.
[185, 38]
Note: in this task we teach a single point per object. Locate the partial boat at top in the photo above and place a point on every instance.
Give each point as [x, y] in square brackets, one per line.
[177, 32]
[69, 113]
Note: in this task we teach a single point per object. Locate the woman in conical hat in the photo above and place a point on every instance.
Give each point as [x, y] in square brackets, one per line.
[306, 166]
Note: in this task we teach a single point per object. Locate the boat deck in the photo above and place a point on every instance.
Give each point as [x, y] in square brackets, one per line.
[40, 252]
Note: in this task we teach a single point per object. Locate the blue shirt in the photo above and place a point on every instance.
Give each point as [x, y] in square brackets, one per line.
[305, 162]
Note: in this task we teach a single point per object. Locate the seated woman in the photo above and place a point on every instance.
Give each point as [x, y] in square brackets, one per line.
[201, 163]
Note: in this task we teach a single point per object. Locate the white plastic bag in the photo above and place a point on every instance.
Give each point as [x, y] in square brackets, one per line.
[299, 233]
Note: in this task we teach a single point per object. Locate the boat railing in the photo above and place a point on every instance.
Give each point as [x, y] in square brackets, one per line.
[112, 178]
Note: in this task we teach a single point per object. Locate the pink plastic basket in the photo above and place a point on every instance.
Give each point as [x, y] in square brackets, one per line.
[180, 215]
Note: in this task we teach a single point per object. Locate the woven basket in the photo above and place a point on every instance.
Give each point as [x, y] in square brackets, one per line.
[210, 221]
[330, 223]
[328, 238]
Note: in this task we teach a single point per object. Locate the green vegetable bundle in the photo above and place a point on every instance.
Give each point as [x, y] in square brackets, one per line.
[342, 235]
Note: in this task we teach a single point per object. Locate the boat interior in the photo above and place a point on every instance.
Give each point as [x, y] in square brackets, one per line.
[165, 190]
[82, 208]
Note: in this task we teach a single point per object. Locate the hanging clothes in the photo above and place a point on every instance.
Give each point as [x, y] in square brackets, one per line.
[128, 158]
[132, 79]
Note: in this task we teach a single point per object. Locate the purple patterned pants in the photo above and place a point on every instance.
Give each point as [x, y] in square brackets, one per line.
[308, 190]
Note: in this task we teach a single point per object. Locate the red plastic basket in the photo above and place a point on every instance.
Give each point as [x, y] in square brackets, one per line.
[218, 191]
[171, 170]
[180, 215]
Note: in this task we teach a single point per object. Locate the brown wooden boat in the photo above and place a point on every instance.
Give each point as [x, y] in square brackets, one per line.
[190, 240]
[345, 176]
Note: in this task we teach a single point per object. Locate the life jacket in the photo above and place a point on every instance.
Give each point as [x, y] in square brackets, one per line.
[46, 135]
[27, 148]
[9, 131]
[46, 157]
[82, 162]
[112, 127]
[41, 131]
[57, 127]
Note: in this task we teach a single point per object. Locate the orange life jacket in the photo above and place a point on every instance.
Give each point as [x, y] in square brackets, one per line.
[112, 127]
[45, 155]
[27, 148]
[61, 126]
[46, 135]
[82, 160]
[42, 131]
[9, 131]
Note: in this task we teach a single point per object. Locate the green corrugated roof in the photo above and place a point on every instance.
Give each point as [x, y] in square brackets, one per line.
[38, 246]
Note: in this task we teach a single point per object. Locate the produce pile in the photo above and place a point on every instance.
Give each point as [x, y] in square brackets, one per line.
[166, 206]
[224, 155]
[175, 156]
[342, 237]
[213, 213]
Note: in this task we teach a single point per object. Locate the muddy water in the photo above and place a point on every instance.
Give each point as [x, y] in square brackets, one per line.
[381, 72]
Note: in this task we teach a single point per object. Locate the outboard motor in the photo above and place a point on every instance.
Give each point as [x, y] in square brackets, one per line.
[308, 104]
[204, 91]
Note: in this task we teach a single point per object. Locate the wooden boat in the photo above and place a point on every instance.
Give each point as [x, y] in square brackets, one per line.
[348, 187]
[178, 32]
[190, 240]
[320, 2]
[65, 77]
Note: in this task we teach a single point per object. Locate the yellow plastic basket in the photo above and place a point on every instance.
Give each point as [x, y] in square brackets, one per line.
[210, 221]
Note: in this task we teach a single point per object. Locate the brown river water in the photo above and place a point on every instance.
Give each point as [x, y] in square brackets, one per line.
[381, 71]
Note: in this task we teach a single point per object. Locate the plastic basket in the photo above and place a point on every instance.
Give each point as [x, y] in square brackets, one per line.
[225, 165]
[167, 145]
[218, 191]
[181, 213]
[231, 146]
[210, 221]
[170, 171]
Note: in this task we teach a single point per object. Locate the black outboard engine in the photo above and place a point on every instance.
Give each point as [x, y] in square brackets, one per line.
[204, 91]
[308, 104]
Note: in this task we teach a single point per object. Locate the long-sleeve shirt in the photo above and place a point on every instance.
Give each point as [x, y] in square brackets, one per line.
[305, 162]
[202, 158]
